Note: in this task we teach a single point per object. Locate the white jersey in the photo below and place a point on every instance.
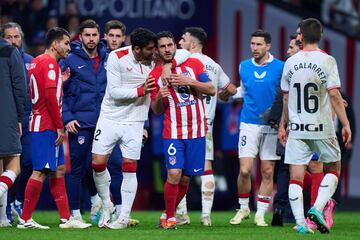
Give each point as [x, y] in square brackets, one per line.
[218, 78]
[307, 77]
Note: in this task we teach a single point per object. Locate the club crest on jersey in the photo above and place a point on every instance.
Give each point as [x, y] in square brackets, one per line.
[259, 76]
[172, 160]
[81, 140]
[52, 75]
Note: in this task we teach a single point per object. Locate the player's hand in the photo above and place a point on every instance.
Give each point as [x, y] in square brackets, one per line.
[145, 136]
[346, 135]
[224, 94]
[149, 84]
[282, 135]
[163, 92]
[71, 126]
[166, 70]
[179, 80]
[20, 129]
[65, 74]
[60, 137]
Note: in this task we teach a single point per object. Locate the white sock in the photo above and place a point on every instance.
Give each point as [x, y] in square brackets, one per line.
[3, 203]
[118, 209]
[262, 206]
[76, 213]
[8, 174]
[327, 188]
[128, 193]
[207, 194]
[244, 203]
[296, 203]
[102, 182]
[182, 207]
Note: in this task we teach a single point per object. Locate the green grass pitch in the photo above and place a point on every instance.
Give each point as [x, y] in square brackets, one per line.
[346, 227]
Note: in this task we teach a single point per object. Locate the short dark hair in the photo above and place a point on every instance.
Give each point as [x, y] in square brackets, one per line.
[141, 37]
[163, 34]
[115, 24]
[11, 25]
[55, 34]
[311, 30]
[197, 32]
[88, 23]
[262, 33]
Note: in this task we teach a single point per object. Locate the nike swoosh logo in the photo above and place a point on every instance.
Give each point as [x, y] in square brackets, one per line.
[80, 67]
[129, 69]
[293, 199]
[197, 170]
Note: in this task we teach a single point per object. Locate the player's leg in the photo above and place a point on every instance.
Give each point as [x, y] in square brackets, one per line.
[207, 182]
[249, 140]
[330, 154]
[317, 174]
[11, 165]
[80, 145]
[115, 170]
[297, 154]
[182, 216]
[4, 221]
[131, 143]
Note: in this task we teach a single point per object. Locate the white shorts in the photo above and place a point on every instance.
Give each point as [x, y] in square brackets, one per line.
[127, 135]
[300, 151]
[254, 139]
[209, 155]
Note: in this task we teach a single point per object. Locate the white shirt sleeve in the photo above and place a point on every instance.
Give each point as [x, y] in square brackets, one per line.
[284, 81]
[224, 80]
[333, 79]
[114, 87]
[181, 55]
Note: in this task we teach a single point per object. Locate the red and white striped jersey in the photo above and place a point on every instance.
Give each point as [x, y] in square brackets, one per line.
[44, 73]
[184, 116]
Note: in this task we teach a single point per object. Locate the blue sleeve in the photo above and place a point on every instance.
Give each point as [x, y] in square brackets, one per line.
[204, 77]
[68, 97]
[146, 124]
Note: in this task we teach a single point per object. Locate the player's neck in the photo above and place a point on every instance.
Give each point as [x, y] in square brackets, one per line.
[311, 47]
[261, 61]
[52, 54]
[91, 53]
[196, 50]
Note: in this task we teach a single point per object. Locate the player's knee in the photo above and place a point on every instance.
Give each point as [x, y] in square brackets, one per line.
[245, 173]
[98, 167]
[174, 176]
[130, 166]
[267, 174]
[60, 171]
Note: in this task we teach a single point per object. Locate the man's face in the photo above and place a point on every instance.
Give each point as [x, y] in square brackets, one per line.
[299, 38]
[63, 46]
[90, 38]
[147, 53]
[259, 47]
[114, 38]
[185, 42]
[166, 48]
[13, 36]
[293, 48]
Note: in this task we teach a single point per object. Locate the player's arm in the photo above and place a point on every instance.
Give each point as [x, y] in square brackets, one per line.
[157, 103]
[227, 89]
[276, 109]
[203, 86]
[282, 132]
[338, 106]
[116, 89]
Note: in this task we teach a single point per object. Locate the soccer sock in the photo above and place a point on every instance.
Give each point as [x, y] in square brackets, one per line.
[58, 192]
[181, 207]
[118, 209]
[31, 198]
[183, 188]
[7, 179]
[76, 213]
[128, 193]
[95, 199]
[207, 192]
[171, 192]
[3, 204]
[263, 203]
[102, 181]
[316, 179]
[296, 201]
[307, 182]
[244, 200]
[326, 190]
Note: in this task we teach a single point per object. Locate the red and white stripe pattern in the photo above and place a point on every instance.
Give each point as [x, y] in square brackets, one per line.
[184, 116]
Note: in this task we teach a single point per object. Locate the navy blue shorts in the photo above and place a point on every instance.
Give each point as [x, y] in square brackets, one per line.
[45, 153]
[186, 154]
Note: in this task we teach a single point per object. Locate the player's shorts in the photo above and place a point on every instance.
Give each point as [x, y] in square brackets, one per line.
[254, 139]
[209, 142]
[300, 152]
[45, 153]
[127, 135]
[186, 154]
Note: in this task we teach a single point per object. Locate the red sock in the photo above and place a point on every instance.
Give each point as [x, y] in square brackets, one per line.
[316, 179]
[58, 191]
[182, 191]
[307, 182]
[171, 191]
[31, 198]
